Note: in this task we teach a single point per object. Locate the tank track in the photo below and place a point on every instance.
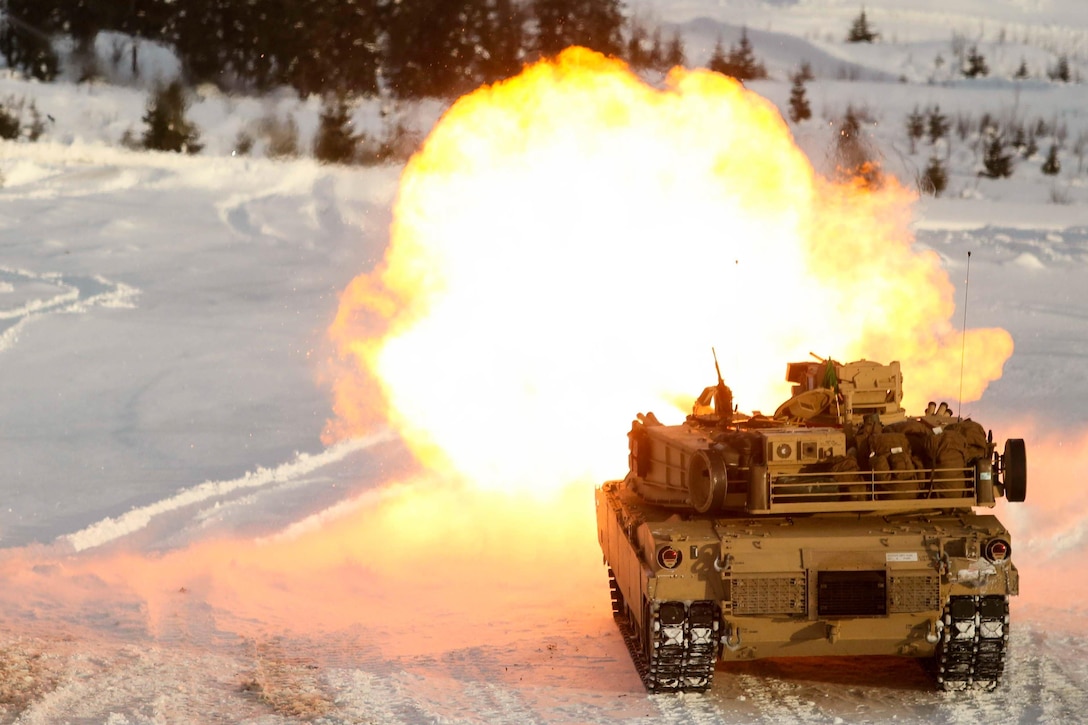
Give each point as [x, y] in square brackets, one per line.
[971, 651]
[683, 643]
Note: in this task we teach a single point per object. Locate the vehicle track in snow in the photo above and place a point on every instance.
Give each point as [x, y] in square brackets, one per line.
[26, 296]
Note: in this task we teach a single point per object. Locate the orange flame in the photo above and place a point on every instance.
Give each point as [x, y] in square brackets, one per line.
[568, 245]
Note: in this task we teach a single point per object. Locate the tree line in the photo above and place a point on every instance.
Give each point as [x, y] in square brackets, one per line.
[411, 48]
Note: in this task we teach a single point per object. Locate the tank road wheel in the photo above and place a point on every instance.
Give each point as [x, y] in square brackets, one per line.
[1015, 465]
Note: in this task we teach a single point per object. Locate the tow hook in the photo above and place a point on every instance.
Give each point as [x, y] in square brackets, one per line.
[933, 636]
[731, 637]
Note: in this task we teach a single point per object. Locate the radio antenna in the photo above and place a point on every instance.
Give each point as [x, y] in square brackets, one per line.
[963, 338]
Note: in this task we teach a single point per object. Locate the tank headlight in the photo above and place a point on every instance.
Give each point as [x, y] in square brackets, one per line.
[997, 550]
[668, 557]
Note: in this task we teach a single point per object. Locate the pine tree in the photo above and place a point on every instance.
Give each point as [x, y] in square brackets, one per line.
[502, 49]
[1052, 165]
[938, 125]
[1022, 71]
[1019, 138]
[167, 127]
[854, 160]
[934, 178]
[10, 128]
[657, 51]
[1031, 147]
[335, 143]
[1060, 72]
[595, 24]
[997, 164]
[638, 56]
[489, 45]
[28, 49]
[717, 61]
[741, 62]
[193, 35]
[860, 32]
[324, 46]
[976, 64]
[674, 51]
[430, 48]
[799, 106]
[916, 128]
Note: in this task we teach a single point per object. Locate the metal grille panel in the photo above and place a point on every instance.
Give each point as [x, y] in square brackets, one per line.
[769, 595]
[914, 593]
[851, 593]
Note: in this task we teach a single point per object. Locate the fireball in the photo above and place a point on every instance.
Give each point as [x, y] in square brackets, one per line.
[567, 247]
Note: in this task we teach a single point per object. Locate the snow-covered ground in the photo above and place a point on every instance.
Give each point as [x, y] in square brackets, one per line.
[180, 546]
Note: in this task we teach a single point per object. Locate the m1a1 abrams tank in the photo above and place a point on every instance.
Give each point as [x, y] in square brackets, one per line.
[837, 526]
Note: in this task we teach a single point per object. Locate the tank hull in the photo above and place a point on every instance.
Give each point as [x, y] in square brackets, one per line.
[824, 584]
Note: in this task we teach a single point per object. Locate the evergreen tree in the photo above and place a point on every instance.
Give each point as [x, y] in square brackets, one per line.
[804, 72]
[595, 24]
[718, 62]
[1052, 165]
[335, 143]
[167, 127]
[860, 31]
[799, 107]
[1060, 71]
[916, 128]
[638, 54]
[657, 51]
[1031, 146]
[502, 44]
[938, 125]
[331, 47]
[1019, 138]
[854, 160]
[28, 48]
[674, 51]
[425, 48]
[196, 35]
[10, 128]
[934, 178]
[741, 62]
[443, 48]
[1022, 71]
[976, 64]
[997, 164]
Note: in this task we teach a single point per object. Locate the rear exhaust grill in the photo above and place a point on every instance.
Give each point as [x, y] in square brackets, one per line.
[851, 593]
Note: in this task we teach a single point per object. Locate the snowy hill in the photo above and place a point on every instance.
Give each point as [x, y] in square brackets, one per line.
[180, 546]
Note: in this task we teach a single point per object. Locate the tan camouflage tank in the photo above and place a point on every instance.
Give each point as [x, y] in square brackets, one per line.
[838, 526]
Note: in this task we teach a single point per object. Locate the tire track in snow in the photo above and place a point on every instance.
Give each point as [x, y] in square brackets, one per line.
[111, 529]
[688, 709]
[30, 296]
[779, 701]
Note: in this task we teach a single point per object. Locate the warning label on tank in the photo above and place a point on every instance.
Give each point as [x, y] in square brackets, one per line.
[901, 556]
